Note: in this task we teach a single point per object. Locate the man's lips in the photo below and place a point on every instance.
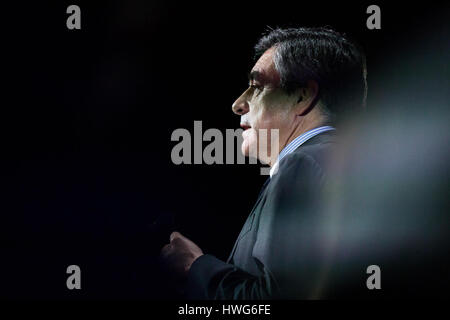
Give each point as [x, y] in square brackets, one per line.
[246, 128]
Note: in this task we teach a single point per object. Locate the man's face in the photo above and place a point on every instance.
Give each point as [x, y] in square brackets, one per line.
[264, 106]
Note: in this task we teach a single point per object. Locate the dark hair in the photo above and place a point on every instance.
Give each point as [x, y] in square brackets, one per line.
[336, 63]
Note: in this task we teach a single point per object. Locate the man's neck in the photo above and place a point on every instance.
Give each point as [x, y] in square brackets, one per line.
[305, 124]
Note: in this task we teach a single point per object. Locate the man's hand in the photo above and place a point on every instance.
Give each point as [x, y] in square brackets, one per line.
[180, 253]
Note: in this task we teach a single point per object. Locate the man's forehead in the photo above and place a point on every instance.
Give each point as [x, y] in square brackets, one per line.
[264, 68]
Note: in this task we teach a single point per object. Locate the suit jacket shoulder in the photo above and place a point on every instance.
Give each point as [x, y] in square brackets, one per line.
[308, 161]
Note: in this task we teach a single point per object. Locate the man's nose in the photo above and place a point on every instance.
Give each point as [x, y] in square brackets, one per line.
[240, 106]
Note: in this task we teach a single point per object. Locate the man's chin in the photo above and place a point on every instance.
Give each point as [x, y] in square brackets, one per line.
[245, 149]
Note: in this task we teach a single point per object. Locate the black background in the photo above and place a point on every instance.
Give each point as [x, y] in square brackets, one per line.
[87, 117]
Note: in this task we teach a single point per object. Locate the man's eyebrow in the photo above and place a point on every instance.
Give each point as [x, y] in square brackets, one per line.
[255, 75]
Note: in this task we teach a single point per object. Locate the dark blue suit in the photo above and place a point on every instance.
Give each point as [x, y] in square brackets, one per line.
[278, 252]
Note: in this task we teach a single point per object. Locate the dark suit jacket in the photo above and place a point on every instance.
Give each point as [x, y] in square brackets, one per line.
[276, 252]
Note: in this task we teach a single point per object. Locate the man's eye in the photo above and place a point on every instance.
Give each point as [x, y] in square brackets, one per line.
[254, 86]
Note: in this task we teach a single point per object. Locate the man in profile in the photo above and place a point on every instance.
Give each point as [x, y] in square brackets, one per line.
[305, 81]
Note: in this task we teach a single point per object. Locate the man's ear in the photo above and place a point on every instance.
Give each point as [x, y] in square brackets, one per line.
[308, 97]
